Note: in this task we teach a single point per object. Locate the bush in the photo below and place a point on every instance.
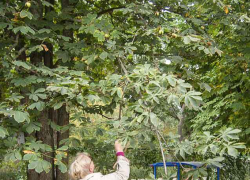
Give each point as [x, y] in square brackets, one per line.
[236, 169]
[13, 170]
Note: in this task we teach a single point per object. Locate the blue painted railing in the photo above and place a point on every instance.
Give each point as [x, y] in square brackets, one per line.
[179, 164]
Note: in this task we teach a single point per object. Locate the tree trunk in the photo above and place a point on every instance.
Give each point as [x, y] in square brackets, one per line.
[63, 120]
[60, 117]
[180, 128]
[31, 174]
[48, 56]
[181, 118]
[46, 133]
[46, 136]
[48, 61]
[62, 114]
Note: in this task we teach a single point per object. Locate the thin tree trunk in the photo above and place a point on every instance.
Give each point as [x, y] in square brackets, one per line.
[180, 128]
[181, 123]
[48, 61]
[162, 153]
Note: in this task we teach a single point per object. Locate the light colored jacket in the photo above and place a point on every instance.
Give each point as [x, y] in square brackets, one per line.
[122, 172]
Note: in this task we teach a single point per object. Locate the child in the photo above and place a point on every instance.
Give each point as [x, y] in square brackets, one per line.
[82, 168]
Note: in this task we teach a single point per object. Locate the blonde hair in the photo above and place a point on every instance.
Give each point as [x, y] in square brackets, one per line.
[79, 168]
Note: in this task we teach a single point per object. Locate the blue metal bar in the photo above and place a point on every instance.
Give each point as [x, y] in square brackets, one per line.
[178, 172]
[218, 173]
[178, 164]
[155, 171]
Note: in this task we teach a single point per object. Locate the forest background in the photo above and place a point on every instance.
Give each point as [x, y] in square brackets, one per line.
[170, 78]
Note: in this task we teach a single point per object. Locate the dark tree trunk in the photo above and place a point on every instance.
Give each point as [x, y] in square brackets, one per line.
[46, 136]
[63, 120]
[35, 58]
[60, 117]
[48, 56]
[49, 8]
[62, 114]
[31, 174]
[46, 133]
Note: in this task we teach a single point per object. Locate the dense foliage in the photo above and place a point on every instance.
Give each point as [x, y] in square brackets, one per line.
[169, 77]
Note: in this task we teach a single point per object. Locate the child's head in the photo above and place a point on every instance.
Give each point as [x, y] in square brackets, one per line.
[81, 166]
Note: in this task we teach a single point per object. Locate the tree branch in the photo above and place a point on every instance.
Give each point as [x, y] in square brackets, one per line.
[123, 67]
[20, 51]
[162, 153]
[108, 10]
[105, 116]
[181, 122]
[14, 59]
[16, 42]
[120, 112]
[164, 140]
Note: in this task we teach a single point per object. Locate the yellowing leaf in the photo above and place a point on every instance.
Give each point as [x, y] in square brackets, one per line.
[226, 9]
[28, 152]
[119, 92]
[45, 47]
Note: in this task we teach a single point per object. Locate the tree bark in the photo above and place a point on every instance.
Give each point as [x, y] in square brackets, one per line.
[181, 118]
[63, 120]
[180, 128]
[62, 114]
[60, 117]
[46, 136]
[46, 133]
[31, 174]
[35, 58]
[48, 56]
[48, 61]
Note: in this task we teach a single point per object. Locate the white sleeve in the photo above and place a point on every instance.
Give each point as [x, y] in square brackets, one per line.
[122, 172]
